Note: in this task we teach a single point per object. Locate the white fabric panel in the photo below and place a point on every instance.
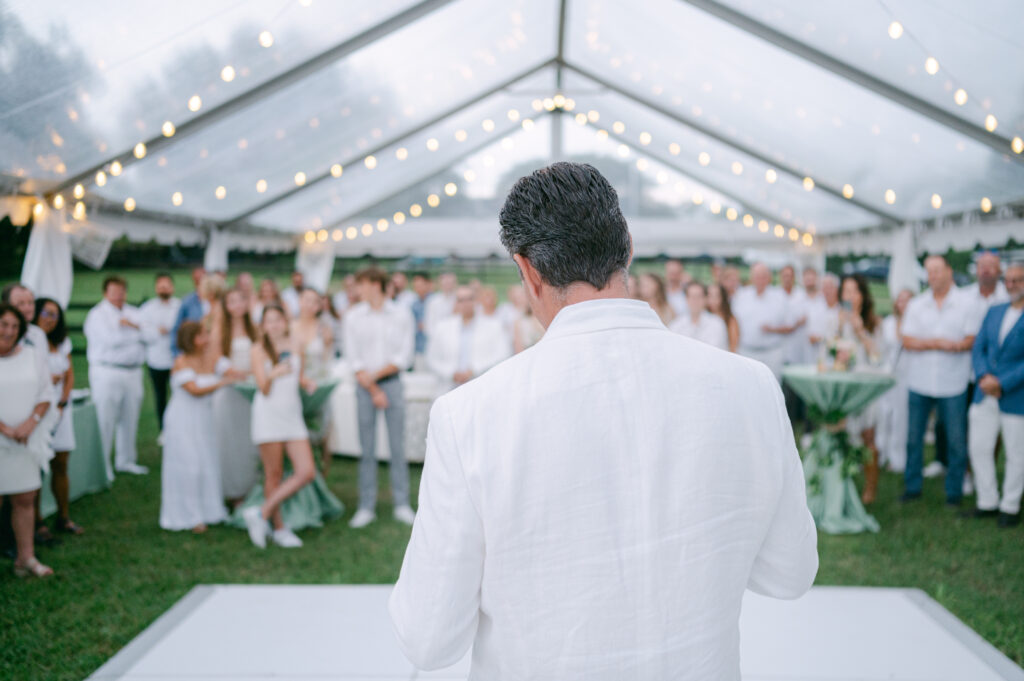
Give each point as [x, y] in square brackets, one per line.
[18, 208]
[903, 265]
[960, 235]
[47, 266]
[316, 262]
[215, 259]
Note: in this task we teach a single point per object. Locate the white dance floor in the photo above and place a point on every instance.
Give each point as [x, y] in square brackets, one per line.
[250, 633]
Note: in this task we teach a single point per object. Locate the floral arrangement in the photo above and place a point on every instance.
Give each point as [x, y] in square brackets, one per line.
[842, 352]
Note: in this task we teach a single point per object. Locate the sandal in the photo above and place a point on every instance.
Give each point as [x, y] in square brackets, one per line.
[43, 537]
[33, 568]
[69, 527]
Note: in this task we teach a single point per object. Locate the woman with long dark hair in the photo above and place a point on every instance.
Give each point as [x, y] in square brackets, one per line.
[652, 290]
[50, 318]
[859, 323]
[718, 304]
[234, 338]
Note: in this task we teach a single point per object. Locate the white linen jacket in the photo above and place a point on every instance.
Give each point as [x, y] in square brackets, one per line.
[594, 508]
[491, 345]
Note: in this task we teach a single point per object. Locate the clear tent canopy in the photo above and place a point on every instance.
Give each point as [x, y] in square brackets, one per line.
[741, 121]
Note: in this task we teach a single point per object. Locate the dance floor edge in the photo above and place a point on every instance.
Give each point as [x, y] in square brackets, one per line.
[259, 632]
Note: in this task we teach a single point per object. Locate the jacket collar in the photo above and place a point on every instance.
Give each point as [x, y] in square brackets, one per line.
[602, 315]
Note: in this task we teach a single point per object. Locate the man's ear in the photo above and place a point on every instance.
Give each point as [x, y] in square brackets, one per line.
[632, 250]
[532, 280]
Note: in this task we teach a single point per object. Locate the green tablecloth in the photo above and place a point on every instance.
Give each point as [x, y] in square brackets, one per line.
[314, 503]
[830, 461]
[86, 469]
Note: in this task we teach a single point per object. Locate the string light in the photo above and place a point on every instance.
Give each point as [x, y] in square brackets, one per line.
[101, 178]
[763, 226]
[731, 214]
[936, 201]
[697, 199]
[895, 30]
[79, 191]
[748, 220]
[227, 74]
[220, 192]
[415, 210]
[338, 234]
[310, 237]
[168, 129]
[618, 127]
[715, 207]
[367, 229]
[337, 170]
[470, 175]
[487, 125]
[645, 138]
[1017, 145]
[808, 183]
[79, 212]
[266, 38]
[960, 96]
[890, 196]
[581, 118]
[674, 149]
[986, 204]
[460, 135]
[115, 168]
[450, 189]
[37, 210]
[433, 144]
[401, 153]
[129, 204]
[513, 115]
[737, 168]
[351, 233]
[527, 124]
[370, 162]
[780, 231]
[399, 218]
[704, 158]
[770, 176]
[433, 200]
[593, 116]
[261, 186]
[177, 198]
[140, 150]
[322, 235]
[931, 66]
[382, 225]
[195, 102]
[991, 123]
[807, 239]
[300, 178]
[848, 191]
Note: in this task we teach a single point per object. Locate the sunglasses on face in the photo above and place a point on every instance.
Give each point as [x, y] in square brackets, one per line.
[47, 314]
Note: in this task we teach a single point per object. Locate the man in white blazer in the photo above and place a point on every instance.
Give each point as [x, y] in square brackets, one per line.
[466, 345]
[594, 507]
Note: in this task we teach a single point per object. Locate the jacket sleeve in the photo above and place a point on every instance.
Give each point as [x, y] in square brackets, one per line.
[979, 352]
[178, 321]
[436, 603]
[787, 562]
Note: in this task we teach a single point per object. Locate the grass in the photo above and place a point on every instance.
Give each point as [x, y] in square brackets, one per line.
[124, 572]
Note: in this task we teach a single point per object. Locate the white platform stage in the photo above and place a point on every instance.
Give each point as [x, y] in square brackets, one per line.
[254, 633]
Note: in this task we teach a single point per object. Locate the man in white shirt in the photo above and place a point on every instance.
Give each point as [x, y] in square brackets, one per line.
[513, 309]
[760, 310]
[938, 332]
[697, 322]
[403, 295]
[116, 354]
[571, 524]
[157, 316]
[442, 303]
[675, 286]
[379, 341]
[795, 341]
[989, 289]
[290, 296]
[22, 297]
[823, 315]
[466, 345]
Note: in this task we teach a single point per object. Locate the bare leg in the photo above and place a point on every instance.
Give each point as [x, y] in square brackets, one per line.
[870, 469]
[303, 471]
[272, 455]
[23, 521]
[61, 485]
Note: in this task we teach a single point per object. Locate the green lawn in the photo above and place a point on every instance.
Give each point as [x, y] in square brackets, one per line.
[124, 572]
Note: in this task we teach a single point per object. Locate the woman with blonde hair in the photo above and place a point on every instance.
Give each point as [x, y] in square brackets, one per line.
[652, 291]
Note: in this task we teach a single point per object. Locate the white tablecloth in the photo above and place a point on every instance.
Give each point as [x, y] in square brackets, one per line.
[420, 390]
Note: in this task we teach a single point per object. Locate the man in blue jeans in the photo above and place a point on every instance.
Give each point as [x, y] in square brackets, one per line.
[938, 334]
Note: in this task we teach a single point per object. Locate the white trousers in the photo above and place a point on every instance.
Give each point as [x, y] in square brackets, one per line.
[893, 421]
[117, 394]
[986, 422]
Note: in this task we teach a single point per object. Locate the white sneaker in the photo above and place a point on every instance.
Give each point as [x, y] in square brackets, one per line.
[362, 518]
[286, 539]
[160, 439]
[933, 470]
[968, 484]
[256, 525]
[133, 468]
[404, 514]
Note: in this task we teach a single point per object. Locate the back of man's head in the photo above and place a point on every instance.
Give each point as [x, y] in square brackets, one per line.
[565, 219]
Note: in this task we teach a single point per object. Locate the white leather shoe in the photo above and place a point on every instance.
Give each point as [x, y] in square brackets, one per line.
[968, 486]
[286, 539]
[361, 519]
[133, 468]
[933, 470]
[256, 525]
[405, 514]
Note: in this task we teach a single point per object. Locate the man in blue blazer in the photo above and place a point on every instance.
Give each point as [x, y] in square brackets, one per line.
[998, 357]
[191, 308]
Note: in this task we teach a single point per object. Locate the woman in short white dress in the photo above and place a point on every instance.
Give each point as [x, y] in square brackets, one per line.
[313, 335]
[190, 496]
[25, 389]
[239, 456]
[50, 318]
[278, 427]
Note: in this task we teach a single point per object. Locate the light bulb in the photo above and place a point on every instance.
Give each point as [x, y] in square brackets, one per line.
[195, 102]
[513, 115]
[807, 239]
[370, 162]
[487, 125]
[704, 158]
[337, 170]
[931, 65]
[890, 196]
[167, 129]
[79, 191]
[748, 220]
[322, 235]
[674, 149]
[101, 178]
[415, 210]
[808, 183]
[737, 168]
[1017, 145]
[227, 74]
[266, 38]
[936, 201]
[986, 204]
[367, 229]
[895, 30]
[645, 138]
[593, 116]
[140, 150]
[433, 144]
[261, 186]
[433, 200]
[960, 96]
[991, 123]
[401, 153]
[382, 225]
[399, 218]
[460, 135]
[220, 192]
[129, 204]
[848, 191]
[79, 212]
[177, 198]
[338, 234]
[351, 233]
[450, 189]
[300, 178]
[116, 168]
[618, 127]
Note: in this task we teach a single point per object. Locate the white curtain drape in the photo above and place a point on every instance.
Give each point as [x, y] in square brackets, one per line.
[316, 262]
[47, 268]
[215, 258]
[903, 266]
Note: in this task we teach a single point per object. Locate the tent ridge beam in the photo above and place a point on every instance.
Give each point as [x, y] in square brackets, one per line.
[854, 75]
[426, 176]
[326, 175]
[265, 90]
[728, 141]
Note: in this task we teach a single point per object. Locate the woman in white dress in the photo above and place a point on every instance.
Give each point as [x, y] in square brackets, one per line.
[651, 289]
[278, 427]
[25, 389]
[50, 318]
[859, 323]
[239, 456]
[268, 294]
[893, 405]
[314, 336]
[190, 478]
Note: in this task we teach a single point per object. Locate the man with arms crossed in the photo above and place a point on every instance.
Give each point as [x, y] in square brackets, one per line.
[595, 507]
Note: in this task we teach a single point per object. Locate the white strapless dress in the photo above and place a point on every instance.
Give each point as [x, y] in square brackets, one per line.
[277, 416]
[239, 456]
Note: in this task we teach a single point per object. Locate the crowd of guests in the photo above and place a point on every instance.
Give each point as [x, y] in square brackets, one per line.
[957, 352]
